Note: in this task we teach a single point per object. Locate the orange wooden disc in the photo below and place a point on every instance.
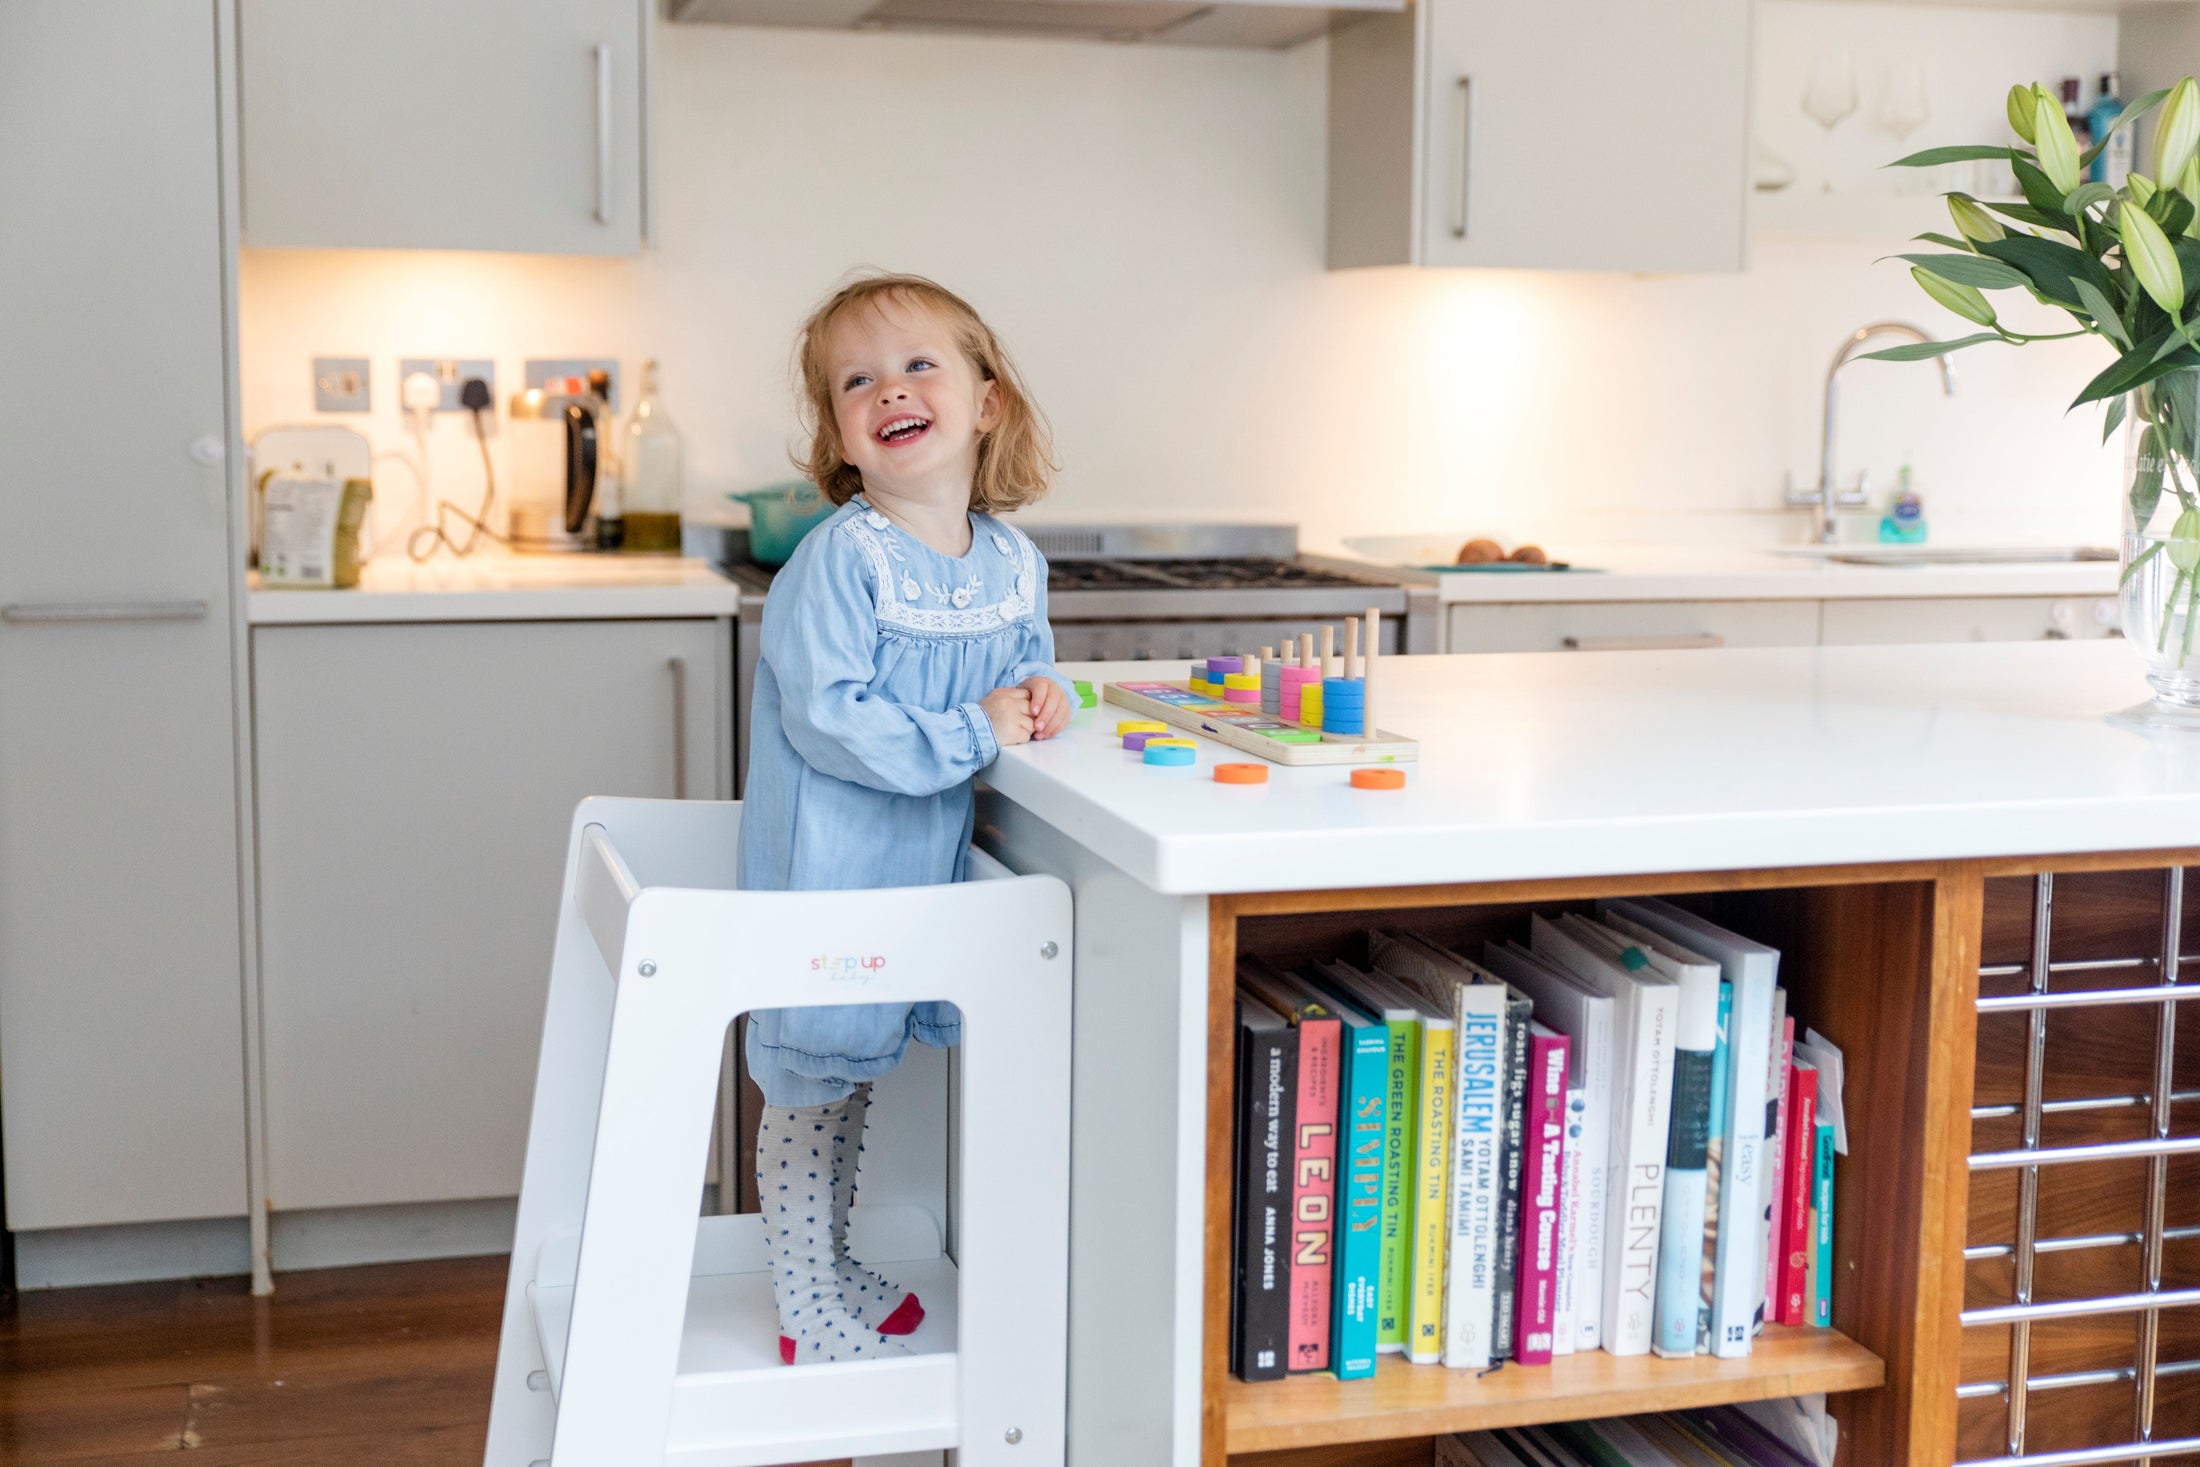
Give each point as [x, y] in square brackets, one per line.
[1241, 774]
[1378, 779]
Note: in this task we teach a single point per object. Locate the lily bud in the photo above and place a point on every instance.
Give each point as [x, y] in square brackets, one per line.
[2184, 542]
[2020, 105]
[1972, 222]
[2188, 182]
[2142, 188]
[2056, 146]
[2177, 133]
[1964, 300]
[2152, 258]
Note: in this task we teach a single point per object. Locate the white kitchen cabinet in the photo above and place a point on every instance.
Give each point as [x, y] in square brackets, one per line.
[421, 124]
[1609, 626]
[122, 1089]
[1558, 135]
[416, 783]
[1968, 619]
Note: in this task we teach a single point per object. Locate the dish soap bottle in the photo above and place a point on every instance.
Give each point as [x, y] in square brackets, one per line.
[1904, 521]
[651, 458]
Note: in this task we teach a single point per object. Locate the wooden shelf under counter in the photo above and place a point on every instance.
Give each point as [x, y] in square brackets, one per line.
[1406, 1400]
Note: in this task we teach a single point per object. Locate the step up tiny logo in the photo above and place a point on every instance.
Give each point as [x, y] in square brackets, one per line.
[852, 969]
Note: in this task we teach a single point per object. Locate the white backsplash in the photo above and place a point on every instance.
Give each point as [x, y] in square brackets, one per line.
[1143, 225]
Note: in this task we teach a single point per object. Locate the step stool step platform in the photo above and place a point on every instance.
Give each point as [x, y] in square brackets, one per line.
[735, 1404]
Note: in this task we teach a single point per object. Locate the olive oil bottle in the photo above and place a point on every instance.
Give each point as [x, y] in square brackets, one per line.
[652, 463]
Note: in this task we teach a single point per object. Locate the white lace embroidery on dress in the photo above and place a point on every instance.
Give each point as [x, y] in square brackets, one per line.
[957, 617]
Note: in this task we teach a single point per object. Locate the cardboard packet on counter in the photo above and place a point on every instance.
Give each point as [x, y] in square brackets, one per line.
[309, 536]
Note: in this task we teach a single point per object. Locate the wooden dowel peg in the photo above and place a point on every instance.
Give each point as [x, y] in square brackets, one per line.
[1306, 649]
[1351, 647]
[1374, 634]
[1267, 654]
[1329, 650]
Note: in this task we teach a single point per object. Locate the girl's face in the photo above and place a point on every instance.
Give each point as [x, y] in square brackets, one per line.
[909, 404]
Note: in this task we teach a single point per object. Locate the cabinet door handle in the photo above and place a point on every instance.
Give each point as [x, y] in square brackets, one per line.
[1676, 642]
[679, 666]
[76, 611]
[603, 134]
[1466, 154]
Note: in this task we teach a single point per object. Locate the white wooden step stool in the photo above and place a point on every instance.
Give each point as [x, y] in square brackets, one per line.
[636, 1331]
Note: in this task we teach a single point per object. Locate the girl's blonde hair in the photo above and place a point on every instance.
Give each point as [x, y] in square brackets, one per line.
[1015, 458]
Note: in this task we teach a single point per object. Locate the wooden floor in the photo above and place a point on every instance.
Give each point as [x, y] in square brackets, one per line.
[389, 1365]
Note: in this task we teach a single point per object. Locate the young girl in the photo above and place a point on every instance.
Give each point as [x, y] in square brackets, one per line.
[905, 645]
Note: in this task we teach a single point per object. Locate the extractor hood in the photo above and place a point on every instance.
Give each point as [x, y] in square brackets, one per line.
[1231, 23]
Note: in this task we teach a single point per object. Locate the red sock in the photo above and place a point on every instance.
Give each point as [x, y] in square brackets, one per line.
[907, 1315]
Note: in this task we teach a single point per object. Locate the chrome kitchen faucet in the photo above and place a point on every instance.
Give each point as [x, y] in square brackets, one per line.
[1825, 498]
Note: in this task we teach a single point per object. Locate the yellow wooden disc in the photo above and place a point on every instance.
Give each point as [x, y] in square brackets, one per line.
[1174, 743]
[1140, 725]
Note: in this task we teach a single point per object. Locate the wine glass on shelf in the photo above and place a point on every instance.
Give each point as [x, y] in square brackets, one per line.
[1902, 110]
[1829, 96]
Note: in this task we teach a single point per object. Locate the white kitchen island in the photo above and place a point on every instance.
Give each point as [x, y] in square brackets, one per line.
[1884, 815]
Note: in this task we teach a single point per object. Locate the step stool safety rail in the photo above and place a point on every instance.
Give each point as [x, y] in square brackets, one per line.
[636, 1331]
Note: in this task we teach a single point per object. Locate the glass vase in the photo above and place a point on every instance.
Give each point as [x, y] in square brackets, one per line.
[2160, 561]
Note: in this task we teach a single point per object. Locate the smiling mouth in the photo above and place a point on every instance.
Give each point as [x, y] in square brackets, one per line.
[903, 430]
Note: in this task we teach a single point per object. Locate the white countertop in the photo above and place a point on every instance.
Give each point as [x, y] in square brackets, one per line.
[1742, 573]
[500, 586]
[1591, 764]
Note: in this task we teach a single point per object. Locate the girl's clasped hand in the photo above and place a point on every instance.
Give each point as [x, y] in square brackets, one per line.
[1035, 708]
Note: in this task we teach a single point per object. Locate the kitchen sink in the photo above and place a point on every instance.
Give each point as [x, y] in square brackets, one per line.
[1993, 555]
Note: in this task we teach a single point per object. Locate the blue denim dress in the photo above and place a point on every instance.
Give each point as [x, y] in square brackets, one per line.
[865, 733]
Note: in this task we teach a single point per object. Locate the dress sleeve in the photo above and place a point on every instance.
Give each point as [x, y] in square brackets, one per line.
[821, 644]
[1036, 657]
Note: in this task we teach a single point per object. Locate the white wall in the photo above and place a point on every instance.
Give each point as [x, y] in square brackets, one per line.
[1144, 225]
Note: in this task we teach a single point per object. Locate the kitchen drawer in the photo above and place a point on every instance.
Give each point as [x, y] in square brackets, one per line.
[1629, 625]
[1969, 619]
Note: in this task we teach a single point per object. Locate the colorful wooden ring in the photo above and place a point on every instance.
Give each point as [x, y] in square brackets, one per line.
[1378, 779]
[1241, 774]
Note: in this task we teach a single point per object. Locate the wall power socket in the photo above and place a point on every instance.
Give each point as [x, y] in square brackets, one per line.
[450, 374]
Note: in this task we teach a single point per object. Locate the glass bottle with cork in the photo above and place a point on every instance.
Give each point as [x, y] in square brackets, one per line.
[651, 458]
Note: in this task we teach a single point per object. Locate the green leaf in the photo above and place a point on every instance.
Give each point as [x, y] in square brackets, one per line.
[2137, 367]
[1958, 153]
[2132, 113]
[2026, 214]
[2176, 215]
[2147, 249]
[2058, 147]
[2051, 266]
[2142, 187]
[2039, 191]
[1970, 270]
[1947, 241]
[2085, 196]
[2104, 315]
[1925, 351]
[2115, 416]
